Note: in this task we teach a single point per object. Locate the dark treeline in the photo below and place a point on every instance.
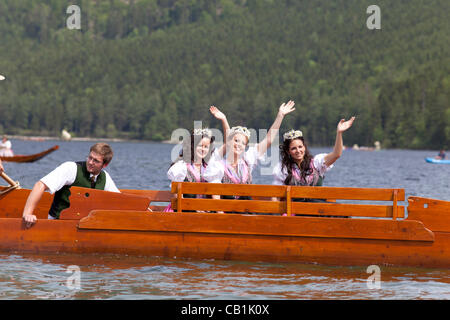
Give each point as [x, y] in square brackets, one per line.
[142, 68]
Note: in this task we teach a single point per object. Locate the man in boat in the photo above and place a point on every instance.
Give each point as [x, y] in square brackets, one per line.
[88, 174]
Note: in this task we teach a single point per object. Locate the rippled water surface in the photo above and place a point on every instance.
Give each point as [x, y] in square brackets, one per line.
[144, 166]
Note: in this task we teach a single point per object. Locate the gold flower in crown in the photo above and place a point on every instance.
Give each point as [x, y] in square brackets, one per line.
[292, 134]
[240, 129]
[203, 132]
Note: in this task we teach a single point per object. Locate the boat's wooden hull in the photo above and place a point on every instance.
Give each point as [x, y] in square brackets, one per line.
[29, 158]
[335, 241]
[66, 236]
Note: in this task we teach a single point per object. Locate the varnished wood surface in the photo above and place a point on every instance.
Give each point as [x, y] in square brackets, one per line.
[423, 239]
[435, 214]
[286, 203]
[64, 236]
[84, 200]
[216, 223]
[13, 202]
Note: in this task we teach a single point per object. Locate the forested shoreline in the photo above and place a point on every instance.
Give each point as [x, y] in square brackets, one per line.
[141, 69]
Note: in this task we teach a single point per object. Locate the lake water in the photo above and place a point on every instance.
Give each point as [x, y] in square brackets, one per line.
[143, 165]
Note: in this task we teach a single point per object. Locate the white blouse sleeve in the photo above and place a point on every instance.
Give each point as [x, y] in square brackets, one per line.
[177, 172]
[64, 175]
[278, 175]
[319, 163]
[109, 184]
[214, 171]
[252, 156]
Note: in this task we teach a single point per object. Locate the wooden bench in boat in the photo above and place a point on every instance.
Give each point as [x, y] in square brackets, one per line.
[286, 203]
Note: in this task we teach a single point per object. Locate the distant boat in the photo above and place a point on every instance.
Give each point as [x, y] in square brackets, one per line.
[29, 158]
[438, 161]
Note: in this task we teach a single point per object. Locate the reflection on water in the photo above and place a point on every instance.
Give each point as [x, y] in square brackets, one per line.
[144, 166]
[125, 277]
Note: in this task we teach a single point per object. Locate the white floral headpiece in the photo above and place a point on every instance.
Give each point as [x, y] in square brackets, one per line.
[292, 134]
[203, 132]
[239, 129]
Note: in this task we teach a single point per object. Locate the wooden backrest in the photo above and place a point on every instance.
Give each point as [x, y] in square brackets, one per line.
[256, 206]
[286, 200]
[358, 198]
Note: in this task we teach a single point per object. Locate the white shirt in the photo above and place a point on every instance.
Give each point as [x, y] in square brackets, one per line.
[319, 163]
[65, 175]
[178, 171]
[7, 144]
[215, 170]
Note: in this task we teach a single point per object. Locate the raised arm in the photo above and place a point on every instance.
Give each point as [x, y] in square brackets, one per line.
[339, 144]
[226, 127]
[285, 108]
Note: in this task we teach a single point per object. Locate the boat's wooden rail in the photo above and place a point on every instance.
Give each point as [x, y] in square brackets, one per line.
[283, 200]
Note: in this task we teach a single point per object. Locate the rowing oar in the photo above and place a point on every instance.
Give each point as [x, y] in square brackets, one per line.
[13, 184]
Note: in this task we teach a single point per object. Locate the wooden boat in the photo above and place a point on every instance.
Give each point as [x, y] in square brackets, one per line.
[437, 161]
[29, 158]
[357, 226]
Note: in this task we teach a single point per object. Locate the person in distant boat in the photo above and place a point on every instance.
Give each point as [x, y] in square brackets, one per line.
[298, 167]
[6, 147]
[87, 174]
[441, 155]
[231, 163]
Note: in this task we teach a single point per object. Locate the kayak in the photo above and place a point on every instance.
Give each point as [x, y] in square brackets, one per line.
[433, 160]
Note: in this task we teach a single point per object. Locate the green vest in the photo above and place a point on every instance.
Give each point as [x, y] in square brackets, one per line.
[61, 198]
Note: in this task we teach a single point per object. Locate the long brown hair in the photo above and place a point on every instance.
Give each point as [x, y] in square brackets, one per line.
[187, 152]
[288, 163]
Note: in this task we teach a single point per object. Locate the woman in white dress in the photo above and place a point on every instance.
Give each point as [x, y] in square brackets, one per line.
[231, 163]
[194, 157]
[298, 167]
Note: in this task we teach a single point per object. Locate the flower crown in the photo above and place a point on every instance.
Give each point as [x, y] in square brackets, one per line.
[239, 129]
[292, 134]
[203, 132]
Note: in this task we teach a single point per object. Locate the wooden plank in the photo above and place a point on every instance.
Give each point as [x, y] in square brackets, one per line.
[179, 197]
[252, 206]
[50, 236]
[376, 194]
[13, 202]
[231, 189]
[341, 209]
[278, 226]
[84, 200]
[288, 201]
[435, 214]
[153, 195]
